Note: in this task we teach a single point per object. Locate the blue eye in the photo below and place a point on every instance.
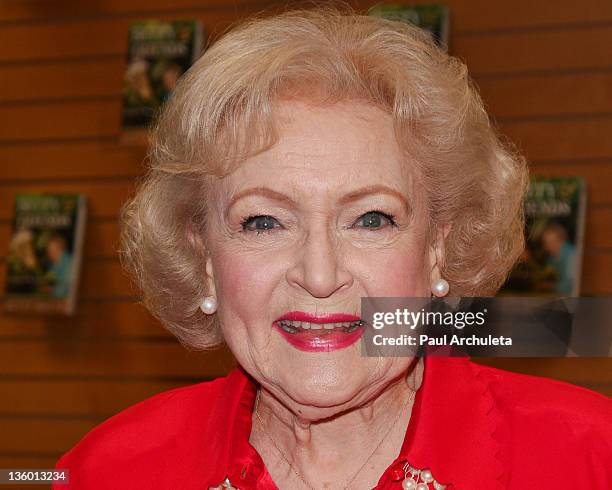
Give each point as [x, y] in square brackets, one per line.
[263, 223]
[374, 220]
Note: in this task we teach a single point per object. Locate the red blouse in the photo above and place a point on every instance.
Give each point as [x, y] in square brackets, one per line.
[474, 426]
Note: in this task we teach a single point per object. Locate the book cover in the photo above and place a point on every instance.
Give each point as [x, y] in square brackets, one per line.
[551, 264]
[158, 54]
[434, 18]
[45, 250]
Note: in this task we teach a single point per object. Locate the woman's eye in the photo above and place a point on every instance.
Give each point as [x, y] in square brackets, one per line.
[259, 224]
[375, 220]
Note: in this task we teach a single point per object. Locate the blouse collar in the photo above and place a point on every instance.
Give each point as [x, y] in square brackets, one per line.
[454, 430]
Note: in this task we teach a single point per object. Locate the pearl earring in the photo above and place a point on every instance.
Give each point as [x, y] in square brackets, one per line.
[440, 288]
[209, 305]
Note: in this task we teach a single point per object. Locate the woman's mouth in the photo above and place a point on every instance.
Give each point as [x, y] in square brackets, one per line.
[320, 337]
[290, 326]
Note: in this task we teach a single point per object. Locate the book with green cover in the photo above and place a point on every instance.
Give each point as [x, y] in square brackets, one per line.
[551, 264]
[44, 256]
[159, 52]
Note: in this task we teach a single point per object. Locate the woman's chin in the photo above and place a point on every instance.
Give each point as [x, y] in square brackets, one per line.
[325, 391]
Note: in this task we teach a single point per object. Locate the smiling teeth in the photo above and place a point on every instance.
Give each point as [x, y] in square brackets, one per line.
[291, 326]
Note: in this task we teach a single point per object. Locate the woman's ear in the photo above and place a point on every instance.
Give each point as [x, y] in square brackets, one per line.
[197, 242]
[210, 276]
[437, 251]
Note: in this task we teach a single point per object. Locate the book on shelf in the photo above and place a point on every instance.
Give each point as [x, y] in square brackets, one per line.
[159, 52]
[434, 18]
[45, 253]
[551, 264]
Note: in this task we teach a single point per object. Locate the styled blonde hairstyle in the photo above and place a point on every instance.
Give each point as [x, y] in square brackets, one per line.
[222, 111]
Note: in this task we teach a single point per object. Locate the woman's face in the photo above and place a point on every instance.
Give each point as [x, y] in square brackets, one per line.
[325, 195]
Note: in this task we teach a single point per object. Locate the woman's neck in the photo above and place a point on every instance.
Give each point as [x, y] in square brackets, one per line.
[333, 449]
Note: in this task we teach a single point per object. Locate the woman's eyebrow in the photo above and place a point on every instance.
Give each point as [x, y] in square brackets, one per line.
[347, 198]
[261, 191]
[374, 189]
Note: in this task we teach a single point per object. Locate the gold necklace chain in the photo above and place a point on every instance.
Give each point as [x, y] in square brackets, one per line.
[304, 481]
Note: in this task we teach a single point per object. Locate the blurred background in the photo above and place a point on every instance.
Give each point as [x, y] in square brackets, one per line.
[545, 72]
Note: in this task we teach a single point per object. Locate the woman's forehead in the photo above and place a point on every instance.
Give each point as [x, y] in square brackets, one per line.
[311, 117]
[349, 138]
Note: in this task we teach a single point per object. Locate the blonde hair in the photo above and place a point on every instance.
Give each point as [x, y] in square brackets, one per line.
[222, 111]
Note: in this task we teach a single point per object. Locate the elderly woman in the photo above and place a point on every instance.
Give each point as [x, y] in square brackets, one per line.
[308, 160]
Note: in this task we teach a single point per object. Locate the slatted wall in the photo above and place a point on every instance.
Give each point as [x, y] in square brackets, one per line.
[545, 71]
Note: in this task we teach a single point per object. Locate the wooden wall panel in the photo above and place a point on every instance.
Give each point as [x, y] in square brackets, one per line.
[544, 70]
[41, 10]
[61, 80]
[91, 358]
[509, 52]
[46, 434]
[554, 139]
[25, 462]
[596, 269]
[76, 398]
[599, 234]
[51, 41]
[549, 95]
[60, 120]
[468, 15]
[106, 320]
[67, 160]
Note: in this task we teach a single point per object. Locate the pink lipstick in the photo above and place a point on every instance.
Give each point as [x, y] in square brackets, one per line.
[323, 332]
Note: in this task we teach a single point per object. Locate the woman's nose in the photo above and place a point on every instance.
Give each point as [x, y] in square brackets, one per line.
[319, 265]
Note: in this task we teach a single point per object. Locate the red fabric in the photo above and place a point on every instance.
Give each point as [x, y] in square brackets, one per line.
[473, 426]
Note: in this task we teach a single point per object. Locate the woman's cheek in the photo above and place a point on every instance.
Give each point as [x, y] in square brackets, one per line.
[241, 273]
[401, 271]
[246, 282]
